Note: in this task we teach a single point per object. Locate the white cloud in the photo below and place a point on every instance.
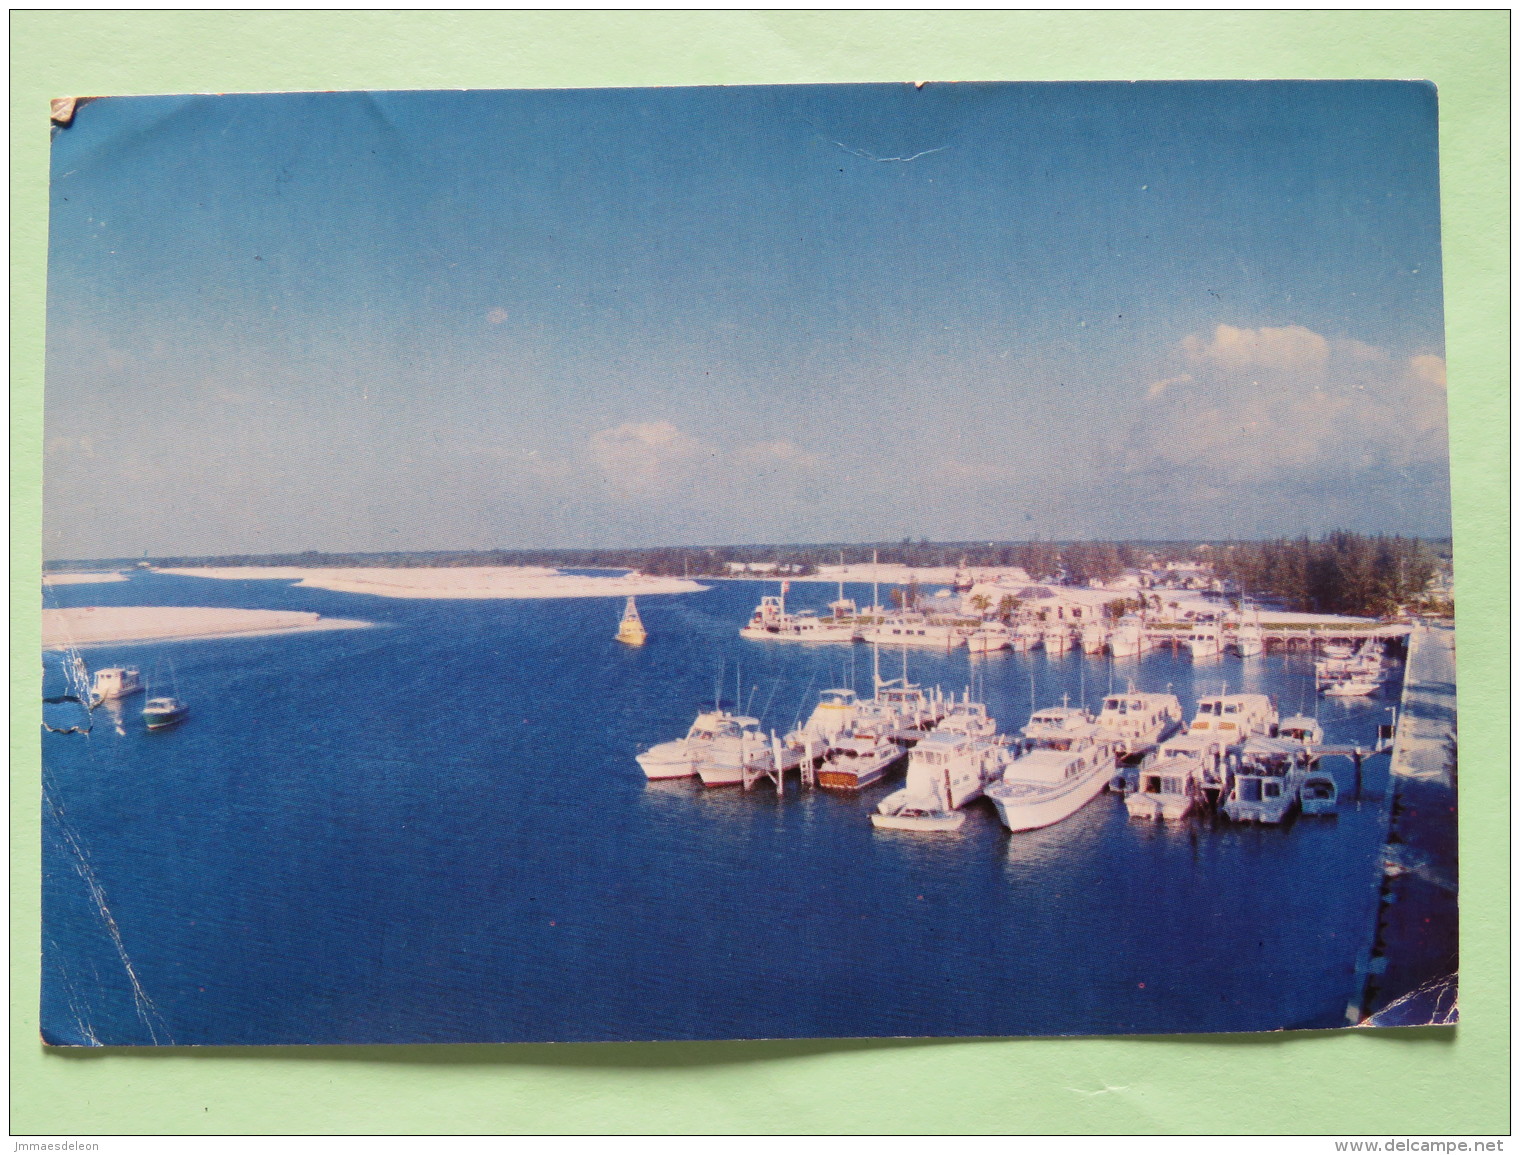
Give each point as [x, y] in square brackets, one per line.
[1429, 368]
[1282, 413]
[639, 457]
[767, 455]
[1291, 347]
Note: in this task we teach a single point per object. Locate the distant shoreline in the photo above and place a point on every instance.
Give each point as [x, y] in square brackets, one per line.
[453, 582]
[81, 626]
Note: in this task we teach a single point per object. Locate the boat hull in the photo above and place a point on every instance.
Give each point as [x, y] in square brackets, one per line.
[935, 823]
[856, 773]
[1168, 808]
[667, 760]
[1021, 810]
[164, 721]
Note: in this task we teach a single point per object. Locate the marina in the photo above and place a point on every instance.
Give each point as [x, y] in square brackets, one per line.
[818, 834]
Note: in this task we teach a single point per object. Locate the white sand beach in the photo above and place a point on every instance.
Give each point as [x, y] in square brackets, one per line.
[81, 579]
[462, 582]
[101, 625]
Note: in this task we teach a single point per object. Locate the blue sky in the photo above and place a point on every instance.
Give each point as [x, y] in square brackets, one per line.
[704, 315]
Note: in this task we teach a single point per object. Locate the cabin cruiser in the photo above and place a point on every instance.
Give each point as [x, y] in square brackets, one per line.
[1349, 685]
[771, 623]
[860, 755]
[1249, 638]
[1065, 767]
[1135, 722]
[1170, 785]
[716, 748]
[1056, 639]
[833, 715]
[968, 717]
[1094, 638]
[1204, 640]
[1232, 718]
[1268, 774]
[115, 682]
[910, 706]
[1129, 639]
[945, 771]
[989, 637]
[1306, 731]
[1026, 637]
[914, 629]
[161, 713]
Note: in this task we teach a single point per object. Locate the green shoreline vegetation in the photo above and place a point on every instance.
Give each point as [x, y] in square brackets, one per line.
[1341, 573]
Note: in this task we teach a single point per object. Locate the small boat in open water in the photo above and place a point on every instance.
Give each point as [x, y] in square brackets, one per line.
[161, 713]
[631, 629]
[115, 682]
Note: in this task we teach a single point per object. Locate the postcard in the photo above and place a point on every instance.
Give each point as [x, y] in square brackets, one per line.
[806, 561]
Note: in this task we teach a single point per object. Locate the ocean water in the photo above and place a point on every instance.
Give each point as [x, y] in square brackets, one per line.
[434, 831]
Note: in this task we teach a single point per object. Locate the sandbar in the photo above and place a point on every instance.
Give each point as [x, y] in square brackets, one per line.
[105, 625]
[81, 579]
[456, 582]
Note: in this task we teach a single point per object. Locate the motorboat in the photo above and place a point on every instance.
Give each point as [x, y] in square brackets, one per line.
[1249, 640]
[1349, 685]
[631, 628]
[1318, 794]
[1232, 718]
[1066, 767]
[946, 770]
[1134, 722]
[1204, 640]
[1129, 639]
[989, 637]
[1170, 786]
[1304, 730]
[915, 629]
[1026, 636]
[772, 623]
[1056, 639]
[833, 715]
[859, 756]
[717, 748]
[161, 713]
[115, 682]
[968, 717]
[1094, 638]
[1267, 776]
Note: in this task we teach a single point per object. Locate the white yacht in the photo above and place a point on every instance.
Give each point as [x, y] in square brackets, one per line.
[737, 744]
[1066, 769]
[945, 771]
[968, 717]
[676, 758]
[910, 706]
[1026, 637]
[1306, 731]
[1268, 775]
[1349, 685]
[1249, 637]
[1056, 638]
[772, 623]
[1205, 640]
[1129, 639]
[1134, 722]
[1170, 785]
[989, 637]
[1094, 638]
[833, 715]
[115, 682]
[1230, 719]
[860, 755]
[915, 629]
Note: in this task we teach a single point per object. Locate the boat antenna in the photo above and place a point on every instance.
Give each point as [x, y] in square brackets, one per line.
[718, 687]
[875, 592]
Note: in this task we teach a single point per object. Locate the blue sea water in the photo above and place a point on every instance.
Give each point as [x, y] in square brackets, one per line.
[434, 831]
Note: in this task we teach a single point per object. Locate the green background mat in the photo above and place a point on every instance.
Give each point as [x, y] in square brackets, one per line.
[1382, 1082]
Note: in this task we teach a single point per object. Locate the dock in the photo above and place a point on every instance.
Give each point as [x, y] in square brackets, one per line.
[1407, 974]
